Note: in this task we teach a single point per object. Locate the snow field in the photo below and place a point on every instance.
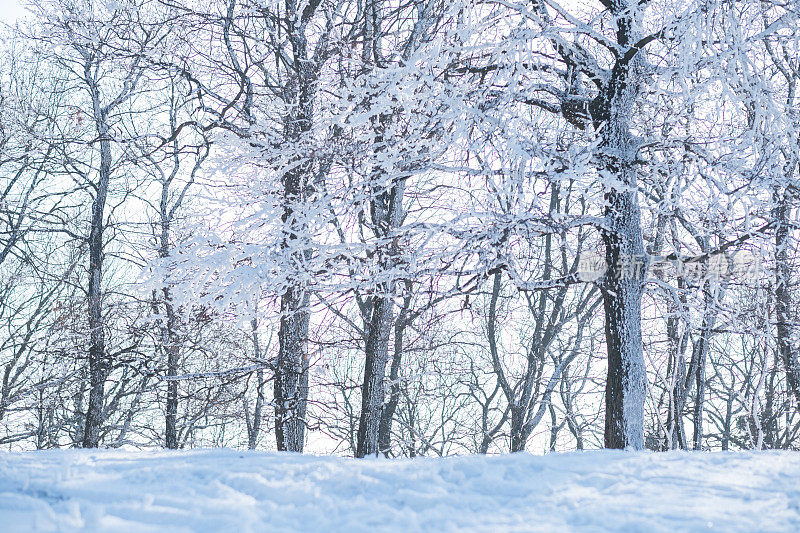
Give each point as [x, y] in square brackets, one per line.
[226, 490]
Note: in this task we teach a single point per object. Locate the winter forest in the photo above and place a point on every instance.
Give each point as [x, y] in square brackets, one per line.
[400, 228]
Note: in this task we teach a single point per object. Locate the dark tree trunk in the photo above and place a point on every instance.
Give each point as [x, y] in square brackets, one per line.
[727, 425]
[291, 367]
[387, 414]
[625, 255]
[254, 425]
[291, 371]
[98, 360]
[518, 437]
[625, 384]
[171, 347]
[171, 343]
[554, 428]
[700, 371]
[387, 215]
[372, 391]
[169, 340]
[783, 297]
[677, 343]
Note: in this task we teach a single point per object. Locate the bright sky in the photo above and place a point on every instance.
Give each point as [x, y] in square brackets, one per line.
[10, 10]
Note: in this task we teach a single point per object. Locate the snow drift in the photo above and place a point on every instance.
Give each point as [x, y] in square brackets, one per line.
[226, 490]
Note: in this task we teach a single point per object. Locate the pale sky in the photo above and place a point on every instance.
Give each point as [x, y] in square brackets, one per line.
[10, 10]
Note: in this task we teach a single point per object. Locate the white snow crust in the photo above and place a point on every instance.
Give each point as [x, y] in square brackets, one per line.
[231, 491]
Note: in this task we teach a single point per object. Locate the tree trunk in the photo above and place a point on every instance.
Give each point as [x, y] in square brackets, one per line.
[625, 385]
[169, 341]
[700, 370]
[625, 255]
[291, 371]
[98, 361]
[677, 348]
[254, 426]
[678, 343]
[518, 435]
[783, 298]
[728, 422]
[372, 391]
[554, 428]
[387, 414]
[170, 344]
[291, 367]
[387, 214]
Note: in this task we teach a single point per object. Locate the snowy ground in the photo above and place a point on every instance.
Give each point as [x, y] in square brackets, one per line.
[225, 490]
